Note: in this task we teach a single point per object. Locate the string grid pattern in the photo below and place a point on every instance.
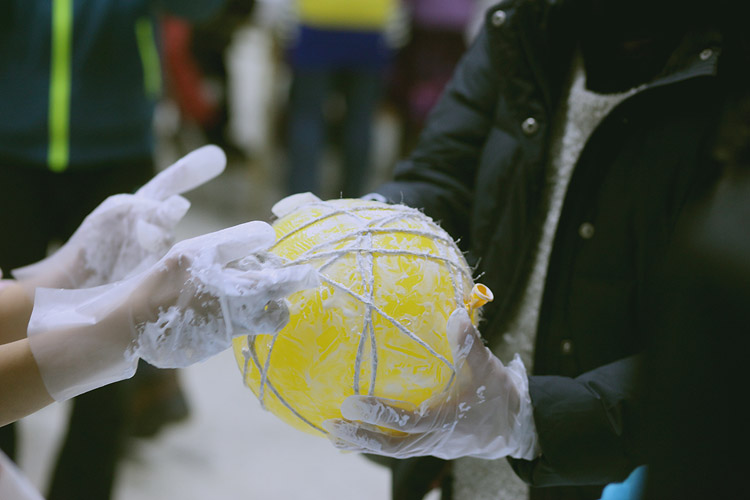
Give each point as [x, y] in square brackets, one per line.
[360, 236]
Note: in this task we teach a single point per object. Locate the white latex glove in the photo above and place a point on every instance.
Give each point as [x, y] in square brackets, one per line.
[125, 233]
[184, 309]
[486, 413]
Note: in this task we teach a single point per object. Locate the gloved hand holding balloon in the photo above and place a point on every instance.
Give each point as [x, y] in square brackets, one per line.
[375, 327]
[486, 413]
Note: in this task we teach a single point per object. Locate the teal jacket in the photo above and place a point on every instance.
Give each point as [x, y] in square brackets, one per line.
[79, 78]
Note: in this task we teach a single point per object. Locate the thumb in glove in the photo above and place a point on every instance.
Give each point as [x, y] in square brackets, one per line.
[485, 412]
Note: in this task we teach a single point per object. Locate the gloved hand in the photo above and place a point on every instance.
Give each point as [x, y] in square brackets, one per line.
[183, 309]
[486, 413]
[125, 233]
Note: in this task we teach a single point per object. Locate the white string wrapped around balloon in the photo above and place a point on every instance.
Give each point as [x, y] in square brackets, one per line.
[390, 278]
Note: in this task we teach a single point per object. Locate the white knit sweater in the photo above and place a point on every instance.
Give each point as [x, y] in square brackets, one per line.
[477, 479]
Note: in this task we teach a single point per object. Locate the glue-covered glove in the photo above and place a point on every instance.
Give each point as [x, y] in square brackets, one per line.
[486, 413]
[125, 233]
[184, 309]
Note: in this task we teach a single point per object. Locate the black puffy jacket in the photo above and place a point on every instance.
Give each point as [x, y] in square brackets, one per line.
[479, 169]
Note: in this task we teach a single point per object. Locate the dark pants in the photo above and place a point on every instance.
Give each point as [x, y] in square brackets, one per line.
[361, 89]
[37, 208]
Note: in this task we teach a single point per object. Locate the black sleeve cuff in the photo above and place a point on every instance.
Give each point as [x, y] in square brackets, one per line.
[589, 427]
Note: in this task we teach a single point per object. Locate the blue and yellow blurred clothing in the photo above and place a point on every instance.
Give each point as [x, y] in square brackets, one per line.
[332, 34]
[317, 48]
[336, 47]
[370, 15]
[79, 78]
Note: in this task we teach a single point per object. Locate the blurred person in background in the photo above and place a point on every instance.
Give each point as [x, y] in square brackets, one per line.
[196, 71]
[425, 64]
[79, 80]
[336, 48]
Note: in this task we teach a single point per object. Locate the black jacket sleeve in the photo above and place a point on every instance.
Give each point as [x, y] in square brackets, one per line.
[439, 175]
[590, 427]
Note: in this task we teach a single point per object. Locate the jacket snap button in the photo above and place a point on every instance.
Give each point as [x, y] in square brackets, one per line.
[586, 230]
[566, 346]
[529, 126]
[498, 18]
[706, 54]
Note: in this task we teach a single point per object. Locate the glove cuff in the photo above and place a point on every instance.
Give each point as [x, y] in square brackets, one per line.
[523, 439]
[78, 341]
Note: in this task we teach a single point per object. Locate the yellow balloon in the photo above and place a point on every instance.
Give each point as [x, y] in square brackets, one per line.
[390, 278]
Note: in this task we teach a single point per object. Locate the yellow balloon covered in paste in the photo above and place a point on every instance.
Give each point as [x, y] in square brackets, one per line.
[390, 278]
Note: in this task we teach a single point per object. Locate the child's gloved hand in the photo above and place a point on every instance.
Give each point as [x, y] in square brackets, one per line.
[183, 309]
[125, 233]
[486, 412]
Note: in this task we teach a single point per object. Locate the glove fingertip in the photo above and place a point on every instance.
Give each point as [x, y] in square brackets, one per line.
[458, 320]
[354, 408]
[461, 333]
[149, 236]
[338, 432]
[331, 425]
[292, 202]
[261, 231]
[175, 207]
[310, 278]
[187, 173]
[516, 366]
[239, 241]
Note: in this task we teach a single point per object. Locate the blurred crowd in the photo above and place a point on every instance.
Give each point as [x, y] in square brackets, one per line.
[272, 88]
